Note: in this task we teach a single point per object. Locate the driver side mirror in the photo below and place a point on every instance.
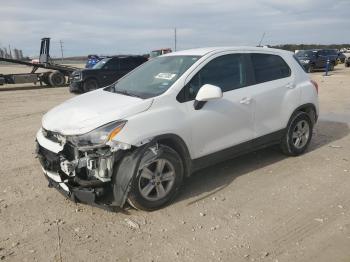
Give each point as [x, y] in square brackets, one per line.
[206, 92]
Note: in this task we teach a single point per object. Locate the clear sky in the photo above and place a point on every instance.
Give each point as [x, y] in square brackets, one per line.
[138, 26]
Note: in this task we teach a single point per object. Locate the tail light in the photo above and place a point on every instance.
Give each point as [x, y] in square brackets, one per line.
[315, 85]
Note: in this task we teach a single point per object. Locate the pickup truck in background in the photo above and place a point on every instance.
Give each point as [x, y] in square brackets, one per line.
[104, 73]
[317, 59]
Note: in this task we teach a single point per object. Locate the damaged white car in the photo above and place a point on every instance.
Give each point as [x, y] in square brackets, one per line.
[137, 139]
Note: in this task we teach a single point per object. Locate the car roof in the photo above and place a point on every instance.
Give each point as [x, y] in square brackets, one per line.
[124, 56]
[207, 50]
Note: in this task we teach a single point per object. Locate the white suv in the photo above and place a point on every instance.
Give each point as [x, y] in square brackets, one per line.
[137, 139]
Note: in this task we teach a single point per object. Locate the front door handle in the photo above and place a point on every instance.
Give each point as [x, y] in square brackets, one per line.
[245, 100]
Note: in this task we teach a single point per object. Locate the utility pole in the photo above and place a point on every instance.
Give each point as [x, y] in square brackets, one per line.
[10, 52]
[61, 44]
[175, 39]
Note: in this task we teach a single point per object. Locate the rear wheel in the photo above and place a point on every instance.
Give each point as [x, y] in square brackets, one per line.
[90, 85]
[298, 135]
[56, 78]
[157, 181]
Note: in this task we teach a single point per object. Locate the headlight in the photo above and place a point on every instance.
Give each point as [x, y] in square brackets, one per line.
[77, 76]
[99, 136]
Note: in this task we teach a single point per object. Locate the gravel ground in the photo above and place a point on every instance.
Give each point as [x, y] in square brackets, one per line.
[259, 207]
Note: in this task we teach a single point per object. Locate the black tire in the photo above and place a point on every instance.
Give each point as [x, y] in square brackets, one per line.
[90, 85]
[136, 198]
[44, 77]
[288, 143]
[56, 78]
[346, 65]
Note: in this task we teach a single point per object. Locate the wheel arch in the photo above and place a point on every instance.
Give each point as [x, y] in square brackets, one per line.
[179, 145]
[308, 108]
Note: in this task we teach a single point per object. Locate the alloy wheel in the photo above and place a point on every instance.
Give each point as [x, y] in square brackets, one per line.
[156, 179]
[301, 134]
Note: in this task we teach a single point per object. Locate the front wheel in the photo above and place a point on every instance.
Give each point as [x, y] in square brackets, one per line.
[157, 181]
[298, 135]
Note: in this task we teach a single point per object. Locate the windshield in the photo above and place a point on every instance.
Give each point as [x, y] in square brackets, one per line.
[305, 53]
[154, 77]
[101, 63]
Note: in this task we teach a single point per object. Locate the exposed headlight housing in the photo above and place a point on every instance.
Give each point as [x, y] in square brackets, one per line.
[99, 136]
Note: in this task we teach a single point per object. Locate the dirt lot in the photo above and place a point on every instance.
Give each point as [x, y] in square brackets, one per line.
[259, 207]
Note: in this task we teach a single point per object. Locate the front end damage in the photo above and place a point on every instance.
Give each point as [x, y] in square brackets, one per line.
[96, 176]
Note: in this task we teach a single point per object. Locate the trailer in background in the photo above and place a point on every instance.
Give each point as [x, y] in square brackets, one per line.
[57, 75]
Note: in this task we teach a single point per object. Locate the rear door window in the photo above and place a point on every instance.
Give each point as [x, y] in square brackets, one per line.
[269, 67]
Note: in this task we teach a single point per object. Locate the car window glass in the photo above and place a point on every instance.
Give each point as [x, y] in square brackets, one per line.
[226, 72]
[112, 64]
[268, 67]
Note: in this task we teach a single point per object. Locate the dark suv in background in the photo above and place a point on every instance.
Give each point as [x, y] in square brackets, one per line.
[317, 59]
[104, 73]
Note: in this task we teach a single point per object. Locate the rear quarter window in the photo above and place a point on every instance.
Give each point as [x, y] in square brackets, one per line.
[296, 59]
[267, 67]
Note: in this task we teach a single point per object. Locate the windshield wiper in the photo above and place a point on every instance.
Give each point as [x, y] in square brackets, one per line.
[125, 92]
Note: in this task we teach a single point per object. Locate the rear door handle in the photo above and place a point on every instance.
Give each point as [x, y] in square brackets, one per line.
[245, 100]
[290, 85]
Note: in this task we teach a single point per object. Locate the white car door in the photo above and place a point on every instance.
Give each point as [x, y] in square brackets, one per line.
[224, 122]
[273, 94]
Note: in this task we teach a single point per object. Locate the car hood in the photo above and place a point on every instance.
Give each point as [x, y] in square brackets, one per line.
[86, 112]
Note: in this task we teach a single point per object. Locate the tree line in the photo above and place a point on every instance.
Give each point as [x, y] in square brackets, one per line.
[293, 47]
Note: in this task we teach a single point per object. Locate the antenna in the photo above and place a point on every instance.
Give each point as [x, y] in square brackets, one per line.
[175, 39]
[262, 38]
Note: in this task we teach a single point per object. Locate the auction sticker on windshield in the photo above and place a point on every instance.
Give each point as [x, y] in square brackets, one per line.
[165, 76]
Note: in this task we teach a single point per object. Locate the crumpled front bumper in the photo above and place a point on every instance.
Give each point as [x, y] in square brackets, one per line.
[95, 193]
[79, 186]
[88, 196]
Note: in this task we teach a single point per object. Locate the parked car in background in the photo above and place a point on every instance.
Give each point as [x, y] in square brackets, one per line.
[137, 140]
[317, 59]
[347, 61]
[341, 58]
[104, 73]
[93, 60]
[159, 52]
